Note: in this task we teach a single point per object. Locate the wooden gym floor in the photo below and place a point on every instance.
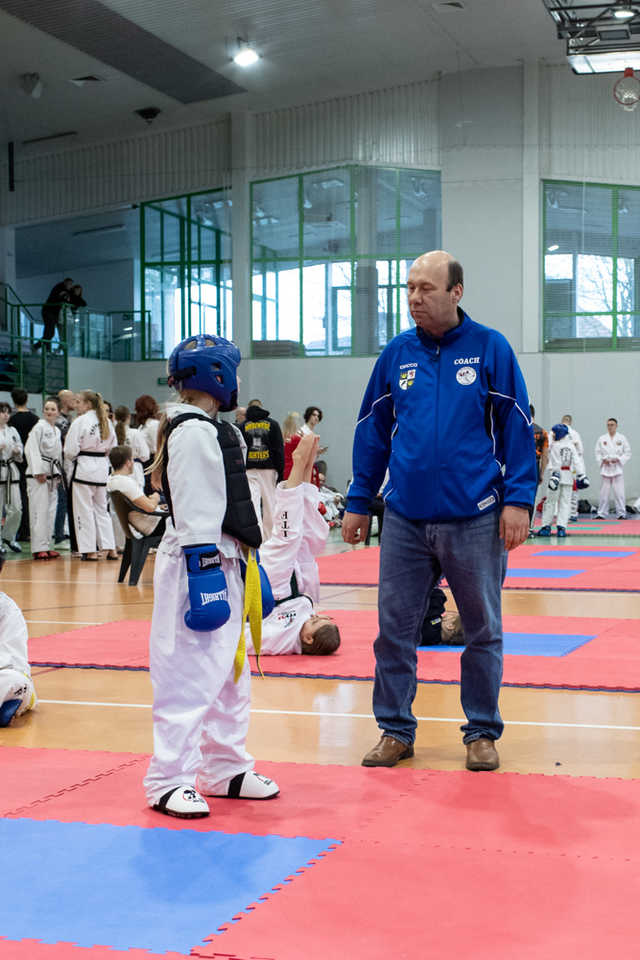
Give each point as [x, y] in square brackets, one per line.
[315, 721]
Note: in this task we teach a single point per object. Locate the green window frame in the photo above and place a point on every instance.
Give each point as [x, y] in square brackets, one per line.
[590, 264]
[352, 269]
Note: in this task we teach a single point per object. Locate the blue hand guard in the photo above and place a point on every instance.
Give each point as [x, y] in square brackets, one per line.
[554, 481]
[582, 481]
[208, 594]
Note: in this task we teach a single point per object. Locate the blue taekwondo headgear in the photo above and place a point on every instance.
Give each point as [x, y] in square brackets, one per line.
[208, 363]
[559, 431]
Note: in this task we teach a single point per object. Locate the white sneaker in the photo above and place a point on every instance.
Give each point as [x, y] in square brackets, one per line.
[246, 786]
[182, 802]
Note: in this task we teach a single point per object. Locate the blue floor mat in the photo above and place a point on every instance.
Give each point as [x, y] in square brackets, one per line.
[582, 552]
[527, 574]
[125, 887]
[533, 644]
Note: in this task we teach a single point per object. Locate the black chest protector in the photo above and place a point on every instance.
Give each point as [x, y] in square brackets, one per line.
[240, 519]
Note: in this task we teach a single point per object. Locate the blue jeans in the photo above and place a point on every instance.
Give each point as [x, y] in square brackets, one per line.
[473, 559]
[61, 514]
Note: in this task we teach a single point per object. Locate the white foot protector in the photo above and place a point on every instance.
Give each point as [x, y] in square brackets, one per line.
[184, 802]
[247, 786]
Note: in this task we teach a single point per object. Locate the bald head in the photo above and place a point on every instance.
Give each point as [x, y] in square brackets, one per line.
[434, 289]
[67, 399]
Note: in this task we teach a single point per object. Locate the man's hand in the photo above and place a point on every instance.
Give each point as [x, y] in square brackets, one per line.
[514, 526]
[355, 527]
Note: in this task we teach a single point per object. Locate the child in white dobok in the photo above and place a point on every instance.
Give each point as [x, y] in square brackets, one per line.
[43, 451]
[11, 454]
[201, 682]
[564, 462]
[299, 536]
[17, 693]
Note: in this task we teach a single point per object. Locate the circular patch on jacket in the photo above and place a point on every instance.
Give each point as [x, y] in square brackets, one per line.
[466, 375]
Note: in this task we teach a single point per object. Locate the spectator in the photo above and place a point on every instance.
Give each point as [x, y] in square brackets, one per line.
[292, 431]
[147, 422]
[43, 453]
[124, 481]
[265, 462]
[88, 442]
[445, 412]
[11, 455]
[612, 452]
[132, 437]
[76, 299]
[241, 416]
[59, 295]
[23, 420]
[67, 401]
[312, 417]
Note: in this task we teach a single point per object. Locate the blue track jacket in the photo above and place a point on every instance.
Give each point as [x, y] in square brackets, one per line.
[450, 419]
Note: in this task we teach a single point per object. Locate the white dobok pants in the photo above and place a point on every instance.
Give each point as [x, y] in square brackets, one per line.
[94, 530]
[12, 510]
[200, 716]
[558, 501]
[15, 685]
[612, 487]
[43, 502]
[262, 484]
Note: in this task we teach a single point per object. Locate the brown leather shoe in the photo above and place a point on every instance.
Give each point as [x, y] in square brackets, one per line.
[482, 755]
[387, 752]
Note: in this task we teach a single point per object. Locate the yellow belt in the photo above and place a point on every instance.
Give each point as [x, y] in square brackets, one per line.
[252, 610]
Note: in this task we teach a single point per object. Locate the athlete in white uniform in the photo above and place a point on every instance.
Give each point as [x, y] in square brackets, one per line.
[43, 451]
[299, 536]
[564, 463]
[200, 712]
[17, 693]
[132, 437]
[612, 452]
[576, 439]
[90, 437]
[11, 454]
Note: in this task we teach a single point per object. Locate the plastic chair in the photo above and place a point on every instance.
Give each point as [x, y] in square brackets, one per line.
[136, 547]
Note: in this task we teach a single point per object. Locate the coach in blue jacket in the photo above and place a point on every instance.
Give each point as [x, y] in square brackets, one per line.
[446, 410]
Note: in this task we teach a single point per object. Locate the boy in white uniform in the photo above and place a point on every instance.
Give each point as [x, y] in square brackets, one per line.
[124, 480]
[43, 451]
[299, 536]
[576, 439]
[201, 683]
[17, 693]
[612, 452]
[564, 462]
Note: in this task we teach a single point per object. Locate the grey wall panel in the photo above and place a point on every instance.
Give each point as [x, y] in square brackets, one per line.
[396, 126]
[122, 171]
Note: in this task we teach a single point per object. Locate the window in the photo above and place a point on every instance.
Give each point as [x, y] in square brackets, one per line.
[591, 260]
[186, 267]
[330, 256]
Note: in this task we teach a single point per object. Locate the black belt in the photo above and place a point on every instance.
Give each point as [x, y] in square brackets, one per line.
[91, 453]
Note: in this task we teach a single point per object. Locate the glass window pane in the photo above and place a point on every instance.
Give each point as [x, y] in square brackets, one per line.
[276, 302]
[275, 219]
[314, 313]
[594, 326]
[376, 211]
[419, 227]
[594, 283]
[326, 211]
[629, 329]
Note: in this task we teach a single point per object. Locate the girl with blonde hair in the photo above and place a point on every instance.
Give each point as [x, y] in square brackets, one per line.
[128, 436]
[89, 440]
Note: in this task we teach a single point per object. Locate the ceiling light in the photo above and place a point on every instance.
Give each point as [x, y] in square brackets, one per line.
[607, 62]
[554, 246]
[245, 55]
[623, 13]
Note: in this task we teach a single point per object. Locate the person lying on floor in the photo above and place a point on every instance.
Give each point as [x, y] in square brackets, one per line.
[288, 557]
[17, 693]
[440, 626]
[123, 480]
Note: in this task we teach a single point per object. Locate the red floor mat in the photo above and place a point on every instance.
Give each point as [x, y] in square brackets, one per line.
[528, 569]
[611, 661]
[490, 867]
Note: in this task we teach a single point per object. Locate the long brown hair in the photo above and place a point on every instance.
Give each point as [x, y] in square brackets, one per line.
[96, 403]
[122, 414]
[146, 409]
